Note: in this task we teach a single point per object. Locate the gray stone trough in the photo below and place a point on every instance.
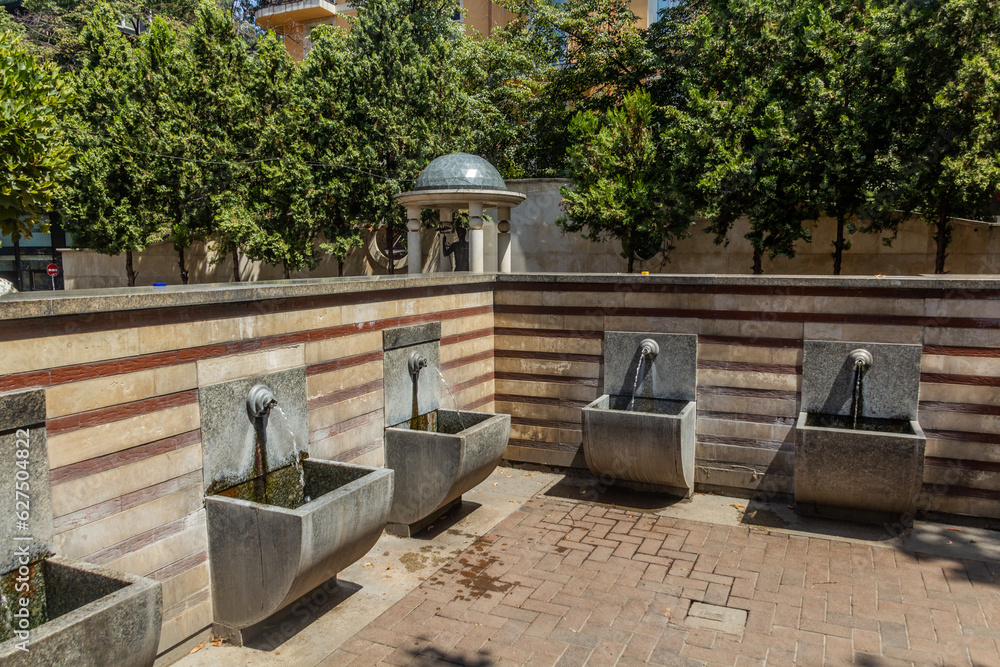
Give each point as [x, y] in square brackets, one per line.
[437, 454]
[279, 523]
[647, 443]
[62, 611]
[871, 473]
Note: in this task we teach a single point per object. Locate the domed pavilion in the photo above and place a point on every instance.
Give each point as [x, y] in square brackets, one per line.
[461, 181]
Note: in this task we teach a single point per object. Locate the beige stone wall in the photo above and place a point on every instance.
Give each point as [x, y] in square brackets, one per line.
[122, 376]
[123, 422]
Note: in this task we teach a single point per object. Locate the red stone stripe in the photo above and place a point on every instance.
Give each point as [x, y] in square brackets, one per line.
[966, 408]
[542, 400]
[970, 380]
[118, 412]
[963, 492]
[464, 361]
[467, 335]
[752, 443]
[124, 457]
[474, 382]
[478, 403]
[345, 394]
[548, 356]
[136, 542]
[793, 343]
[358, 451]
[741, 417]
[964, 464]
[749, 367]
[556, 379]
[749, 392]
[547, 423]
[179, 566]
[345, 362]
[344, 426]
[64, 374]
[755, 315]
[950, 351]
[963, 436]
[541, 444]
[548, 333]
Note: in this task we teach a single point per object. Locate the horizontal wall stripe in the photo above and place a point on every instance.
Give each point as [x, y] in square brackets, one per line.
[557, 379]
[741, 417]
[466, 335]
[746, 442]
[754, 315]
[346, 425]
[793, 343]
[345, 394]
[549, 423]
[548, 333]
[970, 380]
[123, 457]
[118, 412]
[542, 400]
[900, 292]
[478, 380]
[464, 361]
[548, 356]
[552, 446]
[136, 542]
[128, 501]
[962, 492]
[950, 351]
[964, 436]
[748, 392]
[478, 403]
[964, 464]
[343, 362]
[965, 408]
[749, 367]
[61, 375]
[182, 565]
[359, 451]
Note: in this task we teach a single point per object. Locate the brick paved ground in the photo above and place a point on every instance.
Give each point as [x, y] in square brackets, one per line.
[562, 583]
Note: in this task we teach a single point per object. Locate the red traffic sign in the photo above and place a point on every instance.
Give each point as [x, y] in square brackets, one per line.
[52, 270]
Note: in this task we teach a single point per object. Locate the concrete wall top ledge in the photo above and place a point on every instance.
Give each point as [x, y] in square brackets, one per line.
[78, 302]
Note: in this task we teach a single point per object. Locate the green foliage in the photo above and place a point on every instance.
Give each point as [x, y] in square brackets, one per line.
[620, 188]
[34, 154]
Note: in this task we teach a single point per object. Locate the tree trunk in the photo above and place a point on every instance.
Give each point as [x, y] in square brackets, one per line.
[180, 262]
[288, 274]
[838, 246]
[129, 270]
[758, 269]
[631, 261]
[236, 265]
[942, 239]
[340, 268]
[390, 247]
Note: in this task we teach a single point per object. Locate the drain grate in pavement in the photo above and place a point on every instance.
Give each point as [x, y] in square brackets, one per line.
[712, 617]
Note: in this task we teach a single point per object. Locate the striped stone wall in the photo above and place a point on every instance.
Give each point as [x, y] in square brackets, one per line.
[122, 405]
[548, 364]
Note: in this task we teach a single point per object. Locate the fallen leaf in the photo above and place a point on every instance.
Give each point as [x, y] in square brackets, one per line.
[197, 648]
[496, 483]
[738, 506]
[528, 474]
[510, 475]
[957, 530]
[388, 567]
[368, 565]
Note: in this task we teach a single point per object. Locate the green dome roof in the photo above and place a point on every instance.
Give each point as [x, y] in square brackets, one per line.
[459, 171]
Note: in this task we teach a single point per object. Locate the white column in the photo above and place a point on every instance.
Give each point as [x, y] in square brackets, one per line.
[476, 238]
[444, 263]
[503, 239]
[414, 260]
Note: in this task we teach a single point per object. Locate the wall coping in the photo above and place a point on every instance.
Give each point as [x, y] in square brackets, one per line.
[77, 302]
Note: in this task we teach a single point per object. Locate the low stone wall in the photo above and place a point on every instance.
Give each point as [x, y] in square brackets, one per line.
[121, 372]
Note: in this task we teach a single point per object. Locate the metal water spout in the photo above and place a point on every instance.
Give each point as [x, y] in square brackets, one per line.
[416, 363]
[649, 348]
[260, 400]
[861, 358]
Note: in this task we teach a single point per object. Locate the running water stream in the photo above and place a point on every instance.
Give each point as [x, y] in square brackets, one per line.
[635, 383]
[453, 399]
[295, 449]
[857, 400]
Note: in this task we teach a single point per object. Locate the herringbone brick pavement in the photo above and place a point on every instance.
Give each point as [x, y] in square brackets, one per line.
[565, 583]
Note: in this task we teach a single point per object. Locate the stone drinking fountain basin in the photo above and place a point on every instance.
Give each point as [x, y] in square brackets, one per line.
[281, 524]
[61, 611]
[437, 454]
[641, 432]
[859, 451]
